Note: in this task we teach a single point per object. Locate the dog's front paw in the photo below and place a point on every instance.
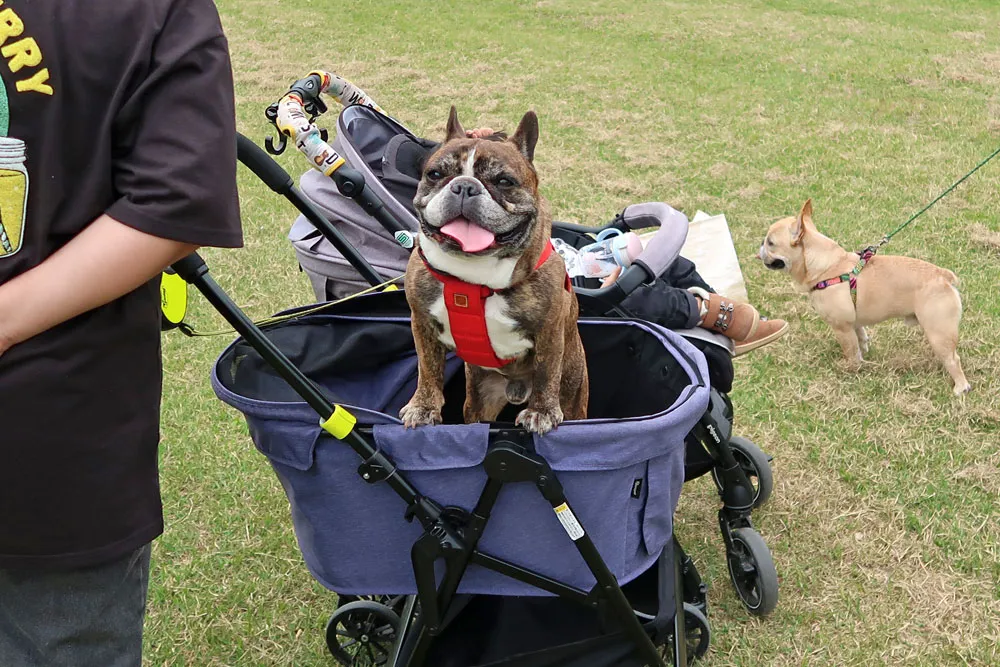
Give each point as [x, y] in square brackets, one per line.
[415, 414]
[539, 421]
[961, 389]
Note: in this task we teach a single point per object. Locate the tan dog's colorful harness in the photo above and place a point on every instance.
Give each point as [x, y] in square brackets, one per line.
[851, 277]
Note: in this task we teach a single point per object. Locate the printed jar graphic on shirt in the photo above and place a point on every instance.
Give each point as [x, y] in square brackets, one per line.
[13, 195]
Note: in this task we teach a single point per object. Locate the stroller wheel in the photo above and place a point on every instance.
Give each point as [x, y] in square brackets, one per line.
[393, 602]
[697, 632]
[755, 464]
[752, 571]
[362, 633]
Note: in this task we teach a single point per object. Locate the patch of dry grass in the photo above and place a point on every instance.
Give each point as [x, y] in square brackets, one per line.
[990, 239]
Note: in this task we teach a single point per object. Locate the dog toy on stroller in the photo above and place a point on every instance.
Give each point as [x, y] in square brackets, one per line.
[293, 116]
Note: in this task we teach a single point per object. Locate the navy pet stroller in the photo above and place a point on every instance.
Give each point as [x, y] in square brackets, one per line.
[517, 550]
[521, 550]
[487, 574]
[388, 158]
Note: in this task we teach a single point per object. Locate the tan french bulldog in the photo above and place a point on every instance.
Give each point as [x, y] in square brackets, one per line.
[887, 287]
[484, 274]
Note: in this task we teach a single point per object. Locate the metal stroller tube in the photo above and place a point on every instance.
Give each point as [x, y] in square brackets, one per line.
[663, 249]
[276, 178]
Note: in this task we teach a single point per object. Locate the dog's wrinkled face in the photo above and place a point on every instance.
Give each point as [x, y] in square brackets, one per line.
[479, 196]
[782, 248]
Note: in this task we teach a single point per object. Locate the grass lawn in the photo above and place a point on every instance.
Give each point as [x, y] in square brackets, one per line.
[884, 521]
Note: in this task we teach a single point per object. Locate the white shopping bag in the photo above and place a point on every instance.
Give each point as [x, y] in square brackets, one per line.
[710, 247]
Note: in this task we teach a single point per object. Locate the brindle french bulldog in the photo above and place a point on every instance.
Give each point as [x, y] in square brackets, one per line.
[483, 222]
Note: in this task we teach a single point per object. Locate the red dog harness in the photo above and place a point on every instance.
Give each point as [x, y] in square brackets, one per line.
[466, 304]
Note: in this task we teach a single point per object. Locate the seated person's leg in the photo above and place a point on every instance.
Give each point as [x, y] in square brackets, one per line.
[663, 304]
[681, 299]
[683, 273]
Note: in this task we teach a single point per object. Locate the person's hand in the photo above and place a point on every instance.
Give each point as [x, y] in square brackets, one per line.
[611, 277]
[479, 132]
[115, 258]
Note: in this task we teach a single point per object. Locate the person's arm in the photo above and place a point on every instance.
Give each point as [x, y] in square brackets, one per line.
[104, 262]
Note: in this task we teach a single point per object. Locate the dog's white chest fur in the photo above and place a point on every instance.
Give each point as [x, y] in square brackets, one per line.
[505, 338]
[494, 272]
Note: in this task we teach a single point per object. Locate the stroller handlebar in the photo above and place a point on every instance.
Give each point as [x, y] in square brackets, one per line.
[664, 247]
[293, 116]
[660, 251]
[294, 113]
[290, 117]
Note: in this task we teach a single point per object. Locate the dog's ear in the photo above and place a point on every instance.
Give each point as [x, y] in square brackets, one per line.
[804, 219]
[526, 135]
[454, 129]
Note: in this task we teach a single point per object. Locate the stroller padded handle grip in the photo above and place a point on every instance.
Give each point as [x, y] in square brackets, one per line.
[665, 246]
[660, 252]
[261, 164]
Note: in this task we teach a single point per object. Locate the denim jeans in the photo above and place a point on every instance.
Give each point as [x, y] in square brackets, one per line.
[91, 617]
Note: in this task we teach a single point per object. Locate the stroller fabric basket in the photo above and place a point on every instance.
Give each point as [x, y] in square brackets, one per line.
[622, 469]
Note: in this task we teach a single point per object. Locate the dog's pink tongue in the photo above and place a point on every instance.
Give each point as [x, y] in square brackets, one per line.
[472, 238]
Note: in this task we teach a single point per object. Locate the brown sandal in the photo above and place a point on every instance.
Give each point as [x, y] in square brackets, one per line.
[732, 319]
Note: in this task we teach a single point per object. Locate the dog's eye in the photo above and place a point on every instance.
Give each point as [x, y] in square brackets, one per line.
[434, 174]
[506, 182]
[770, 243]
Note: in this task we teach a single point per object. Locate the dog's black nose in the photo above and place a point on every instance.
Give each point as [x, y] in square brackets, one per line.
[468, 188]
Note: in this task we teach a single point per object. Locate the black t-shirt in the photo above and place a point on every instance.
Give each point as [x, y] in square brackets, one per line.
[122, 107]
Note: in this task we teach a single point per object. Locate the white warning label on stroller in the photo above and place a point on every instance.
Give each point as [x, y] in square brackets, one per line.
[569, 522]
